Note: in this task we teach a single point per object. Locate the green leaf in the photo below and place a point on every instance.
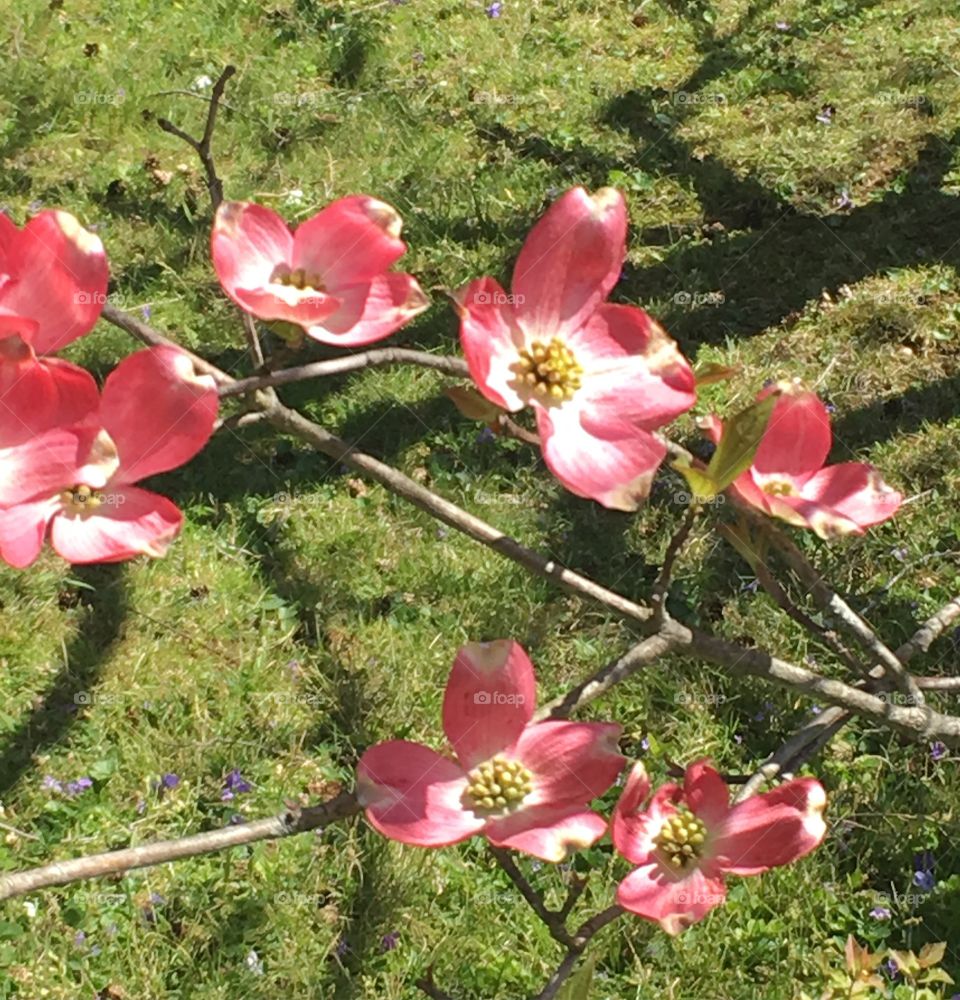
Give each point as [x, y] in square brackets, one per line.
[578, 987]
[738, 445]
[715, 372]
[471, 403]
[932, 954]
[702, 487]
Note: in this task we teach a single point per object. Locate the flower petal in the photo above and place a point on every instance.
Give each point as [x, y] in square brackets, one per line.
[158, 411]
[130, 522]
[489, 699]
[772, 829]
[545, 833]
[247, 243]
[634, 827]
[350, 242]
[413, 795]
[675, 902]
[613, 464]
[37, 395]
[370, 311]
[303, 306]
[23, 529]
[57, 276]
[45, 464]
[633, 371]
[571, 762]
[797, 439]
[706, 793]
[491, 340]
[849, 493]
[570, 261]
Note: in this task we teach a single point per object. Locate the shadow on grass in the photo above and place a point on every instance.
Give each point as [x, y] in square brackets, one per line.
[48, 724]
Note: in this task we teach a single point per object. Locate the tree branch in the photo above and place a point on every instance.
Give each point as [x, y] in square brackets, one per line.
[201, 146]
[286, 824]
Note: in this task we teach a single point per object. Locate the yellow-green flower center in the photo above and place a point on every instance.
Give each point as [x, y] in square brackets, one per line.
[498, 785]
[301, 279]
[549, 371]
[80, 500]
[779, 488]
[680, 840]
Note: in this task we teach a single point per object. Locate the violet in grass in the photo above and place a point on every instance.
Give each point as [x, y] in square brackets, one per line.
[389, 941]
[495, 9]
[234, 784]
[938, 750]
[880, 913]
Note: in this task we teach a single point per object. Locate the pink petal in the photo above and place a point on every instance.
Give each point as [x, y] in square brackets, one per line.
[182, 411]
[570, 261]
[744, 486]
[248, 243]
[545, 833]
[37, 395]
[129, 523]
[633, 371]
[491, 340]
[706, 793]
[370, 311]
[634, 827]
[413, 795]
[45, 464]
[350, 242]
[797, 439]
[489, 699]
[57, 276]
[613, 464]
[675, 902]
[850, 492]
[303, 306]
[571, 762]
[23, 529]
[771, 829]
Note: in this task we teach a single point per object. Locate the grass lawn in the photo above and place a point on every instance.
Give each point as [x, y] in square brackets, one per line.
[793, 180]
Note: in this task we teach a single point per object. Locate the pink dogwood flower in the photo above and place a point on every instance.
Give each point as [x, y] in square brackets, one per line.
[54, 273]
[330, 275]
[788, 478]
[688, 838]
[522, 785]
[155, 413]
[600, 377]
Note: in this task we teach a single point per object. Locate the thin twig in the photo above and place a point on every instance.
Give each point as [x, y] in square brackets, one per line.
[816, 732]
[202, 145]
[286, 824]
[580, 941]
[551, 918]
[658, 597]
[832, 603]
[348, 363]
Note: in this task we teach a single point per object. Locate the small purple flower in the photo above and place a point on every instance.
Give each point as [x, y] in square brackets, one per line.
[343, 946]
[486, 436]
[938, 750]
[825, 114]
[34, 206]
[924, 881]
[156, 899]
[782, 26]
[880, 913]
[51, 784]
[816, 709]
[170, 780]
[233, 785]
[78, 786]
[236, 819]
[389, 941]
[645, 743]
[145, 312]
[891, 967]
[79, 938]
[844, 200]
[899, 554]
[495, 9]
